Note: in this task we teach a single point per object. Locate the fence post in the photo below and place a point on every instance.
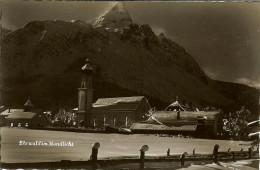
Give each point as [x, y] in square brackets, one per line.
[215, 153]
[168, 152]
[182, 158]
[249, 153]
[143, 149]
[233, 156]
[94, 154]
[193, 151]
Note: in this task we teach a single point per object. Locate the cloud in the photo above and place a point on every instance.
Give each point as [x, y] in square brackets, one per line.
[252, 83]
[212, 74]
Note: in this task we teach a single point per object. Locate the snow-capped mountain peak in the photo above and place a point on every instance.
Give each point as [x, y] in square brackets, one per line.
[116, 18]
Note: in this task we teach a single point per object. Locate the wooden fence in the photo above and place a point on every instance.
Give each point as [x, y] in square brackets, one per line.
[95, 163]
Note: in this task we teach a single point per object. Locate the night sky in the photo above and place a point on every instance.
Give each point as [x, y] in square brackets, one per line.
[224, 38]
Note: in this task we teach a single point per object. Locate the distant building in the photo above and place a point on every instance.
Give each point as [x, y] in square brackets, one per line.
[204, 124]
[27, 117]
[120, 111]
[6, 113]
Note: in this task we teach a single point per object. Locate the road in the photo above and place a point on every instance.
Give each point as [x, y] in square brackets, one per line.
[112, 145]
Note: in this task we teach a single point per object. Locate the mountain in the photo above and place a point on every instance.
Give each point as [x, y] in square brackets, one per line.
[5, 31]
[43, 60]
[114, 19]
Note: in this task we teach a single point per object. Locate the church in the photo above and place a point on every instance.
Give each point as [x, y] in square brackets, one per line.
[118, 112]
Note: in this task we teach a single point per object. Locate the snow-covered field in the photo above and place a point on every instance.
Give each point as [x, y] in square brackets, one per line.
[238, 165]
[112, 145]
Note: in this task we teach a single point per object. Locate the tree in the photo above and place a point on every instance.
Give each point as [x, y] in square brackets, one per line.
[236, 123]
[67, 117]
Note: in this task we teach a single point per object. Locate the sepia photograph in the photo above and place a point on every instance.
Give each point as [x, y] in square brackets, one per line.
[129, 85]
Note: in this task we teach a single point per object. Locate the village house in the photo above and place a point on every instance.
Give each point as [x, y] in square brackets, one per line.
[27, 117]
[118, 112]
[5, 113]
[180, 121]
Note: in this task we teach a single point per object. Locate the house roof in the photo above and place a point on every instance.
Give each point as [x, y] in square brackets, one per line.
[6, 112]
[28, 103]
[254, 123]
[164, 116]
[21, 115]
[151, 127]
[176, 104]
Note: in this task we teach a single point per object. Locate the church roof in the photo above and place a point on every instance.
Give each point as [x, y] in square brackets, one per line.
[28, 103]
[108, 101]
[117, 104]
[87, 66]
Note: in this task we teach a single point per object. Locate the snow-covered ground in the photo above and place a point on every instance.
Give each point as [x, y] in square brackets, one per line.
[112, 145]
[238, 165]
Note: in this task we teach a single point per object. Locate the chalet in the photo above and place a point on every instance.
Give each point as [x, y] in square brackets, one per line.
[27, 117]
[6, 113]
[189, 122]
[119, 111]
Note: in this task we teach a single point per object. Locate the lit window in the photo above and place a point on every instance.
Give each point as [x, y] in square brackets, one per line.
[26, 124]
[126, 119]
[114, 121]
[19, 124]
[104, 121]
[12, 124]
[94, 122]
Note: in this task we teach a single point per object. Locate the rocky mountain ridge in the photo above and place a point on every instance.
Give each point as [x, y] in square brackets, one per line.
[42, 60]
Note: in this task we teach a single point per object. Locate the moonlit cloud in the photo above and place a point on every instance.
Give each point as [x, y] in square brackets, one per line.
[249, 82]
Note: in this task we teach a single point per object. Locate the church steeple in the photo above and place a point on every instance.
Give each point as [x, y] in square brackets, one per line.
[85, 92]
[87, 70]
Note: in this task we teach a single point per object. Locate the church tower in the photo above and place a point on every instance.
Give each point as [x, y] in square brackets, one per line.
[85, 92]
